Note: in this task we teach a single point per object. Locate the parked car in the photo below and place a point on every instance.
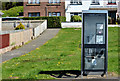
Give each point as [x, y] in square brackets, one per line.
[10, 18]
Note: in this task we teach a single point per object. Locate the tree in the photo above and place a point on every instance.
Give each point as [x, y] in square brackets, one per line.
[8, 5]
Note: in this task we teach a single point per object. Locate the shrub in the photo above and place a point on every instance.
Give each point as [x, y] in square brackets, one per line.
[118, 20]
[52, 22]
[76, 18]
[109, 20]
[20, 26]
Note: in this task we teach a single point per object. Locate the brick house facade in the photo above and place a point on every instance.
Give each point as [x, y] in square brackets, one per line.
[44, 9]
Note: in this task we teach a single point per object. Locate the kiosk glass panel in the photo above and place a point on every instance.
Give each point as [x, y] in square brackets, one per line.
[94, 31]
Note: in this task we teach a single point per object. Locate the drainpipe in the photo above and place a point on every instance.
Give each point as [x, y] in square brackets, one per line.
[45, 11]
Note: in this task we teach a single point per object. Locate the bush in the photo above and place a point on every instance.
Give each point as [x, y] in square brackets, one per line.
[118, 20]
[76, 18]
[13, 12]
[109, 20]
[20, 26]
[52, 22]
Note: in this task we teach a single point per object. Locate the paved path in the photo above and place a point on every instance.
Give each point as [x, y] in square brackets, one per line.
[47, 35]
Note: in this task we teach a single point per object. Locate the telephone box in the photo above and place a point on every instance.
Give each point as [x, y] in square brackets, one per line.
[94, 42]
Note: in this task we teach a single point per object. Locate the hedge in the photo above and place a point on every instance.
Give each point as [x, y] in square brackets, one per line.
[52, 22]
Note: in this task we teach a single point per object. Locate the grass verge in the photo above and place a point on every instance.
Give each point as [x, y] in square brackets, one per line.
[60, 53]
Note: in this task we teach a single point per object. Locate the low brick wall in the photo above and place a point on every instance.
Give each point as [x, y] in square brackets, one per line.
[71, 24]
[79, 25]
[10, 39]
[20, 38]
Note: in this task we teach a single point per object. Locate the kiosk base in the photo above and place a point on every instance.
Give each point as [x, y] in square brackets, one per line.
[100, 74]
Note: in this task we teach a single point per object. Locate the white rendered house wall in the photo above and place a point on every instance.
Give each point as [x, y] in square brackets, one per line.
[86, 4]
[1, 20]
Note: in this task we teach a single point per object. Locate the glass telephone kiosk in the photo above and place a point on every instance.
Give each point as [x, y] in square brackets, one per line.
[94, 42]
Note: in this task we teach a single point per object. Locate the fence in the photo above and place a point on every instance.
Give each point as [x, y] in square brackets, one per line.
[38, 30]
[10, 39]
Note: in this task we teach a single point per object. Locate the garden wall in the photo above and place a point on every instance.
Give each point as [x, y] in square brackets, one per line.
[10, 25]
[78, 25]
[71, 24]
[10, 39]
[20, 38]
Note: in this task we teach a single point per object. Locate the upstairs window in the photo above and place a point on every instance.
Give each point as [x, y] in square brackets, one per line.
[95, 2]
[111, 1]
[33, 1]
[54, 1]
[76, 2]
[54, 14]
[34, 14]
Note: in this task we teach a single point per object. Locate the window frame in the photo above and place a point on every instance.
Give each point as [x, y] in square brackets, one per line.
[111, 1]
[76, 2]
[54, 1]
[33, 1]
[34, 14]
[95, 2]
[54, 13]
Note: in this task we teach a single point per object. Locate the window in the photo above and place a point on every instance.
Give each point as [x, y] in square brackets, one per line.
[33, 1]
[95, 2]
[54, 1]
[111, 1]
[76, 2]
[38, 1]
[36, 14]
[54, 14]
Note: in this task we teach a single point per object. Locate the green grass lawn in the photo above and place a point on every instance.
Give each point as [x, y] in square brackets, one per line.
[60, 53]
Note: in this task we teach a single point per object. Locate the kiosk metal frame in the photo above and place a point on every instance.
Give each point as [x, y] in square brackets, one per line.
[86, 67]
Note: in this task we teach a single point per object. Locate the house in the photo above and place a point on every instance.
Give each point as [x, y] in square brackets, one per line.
[1, 20]
[33, 8]
[75, 7]
[118, 9]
